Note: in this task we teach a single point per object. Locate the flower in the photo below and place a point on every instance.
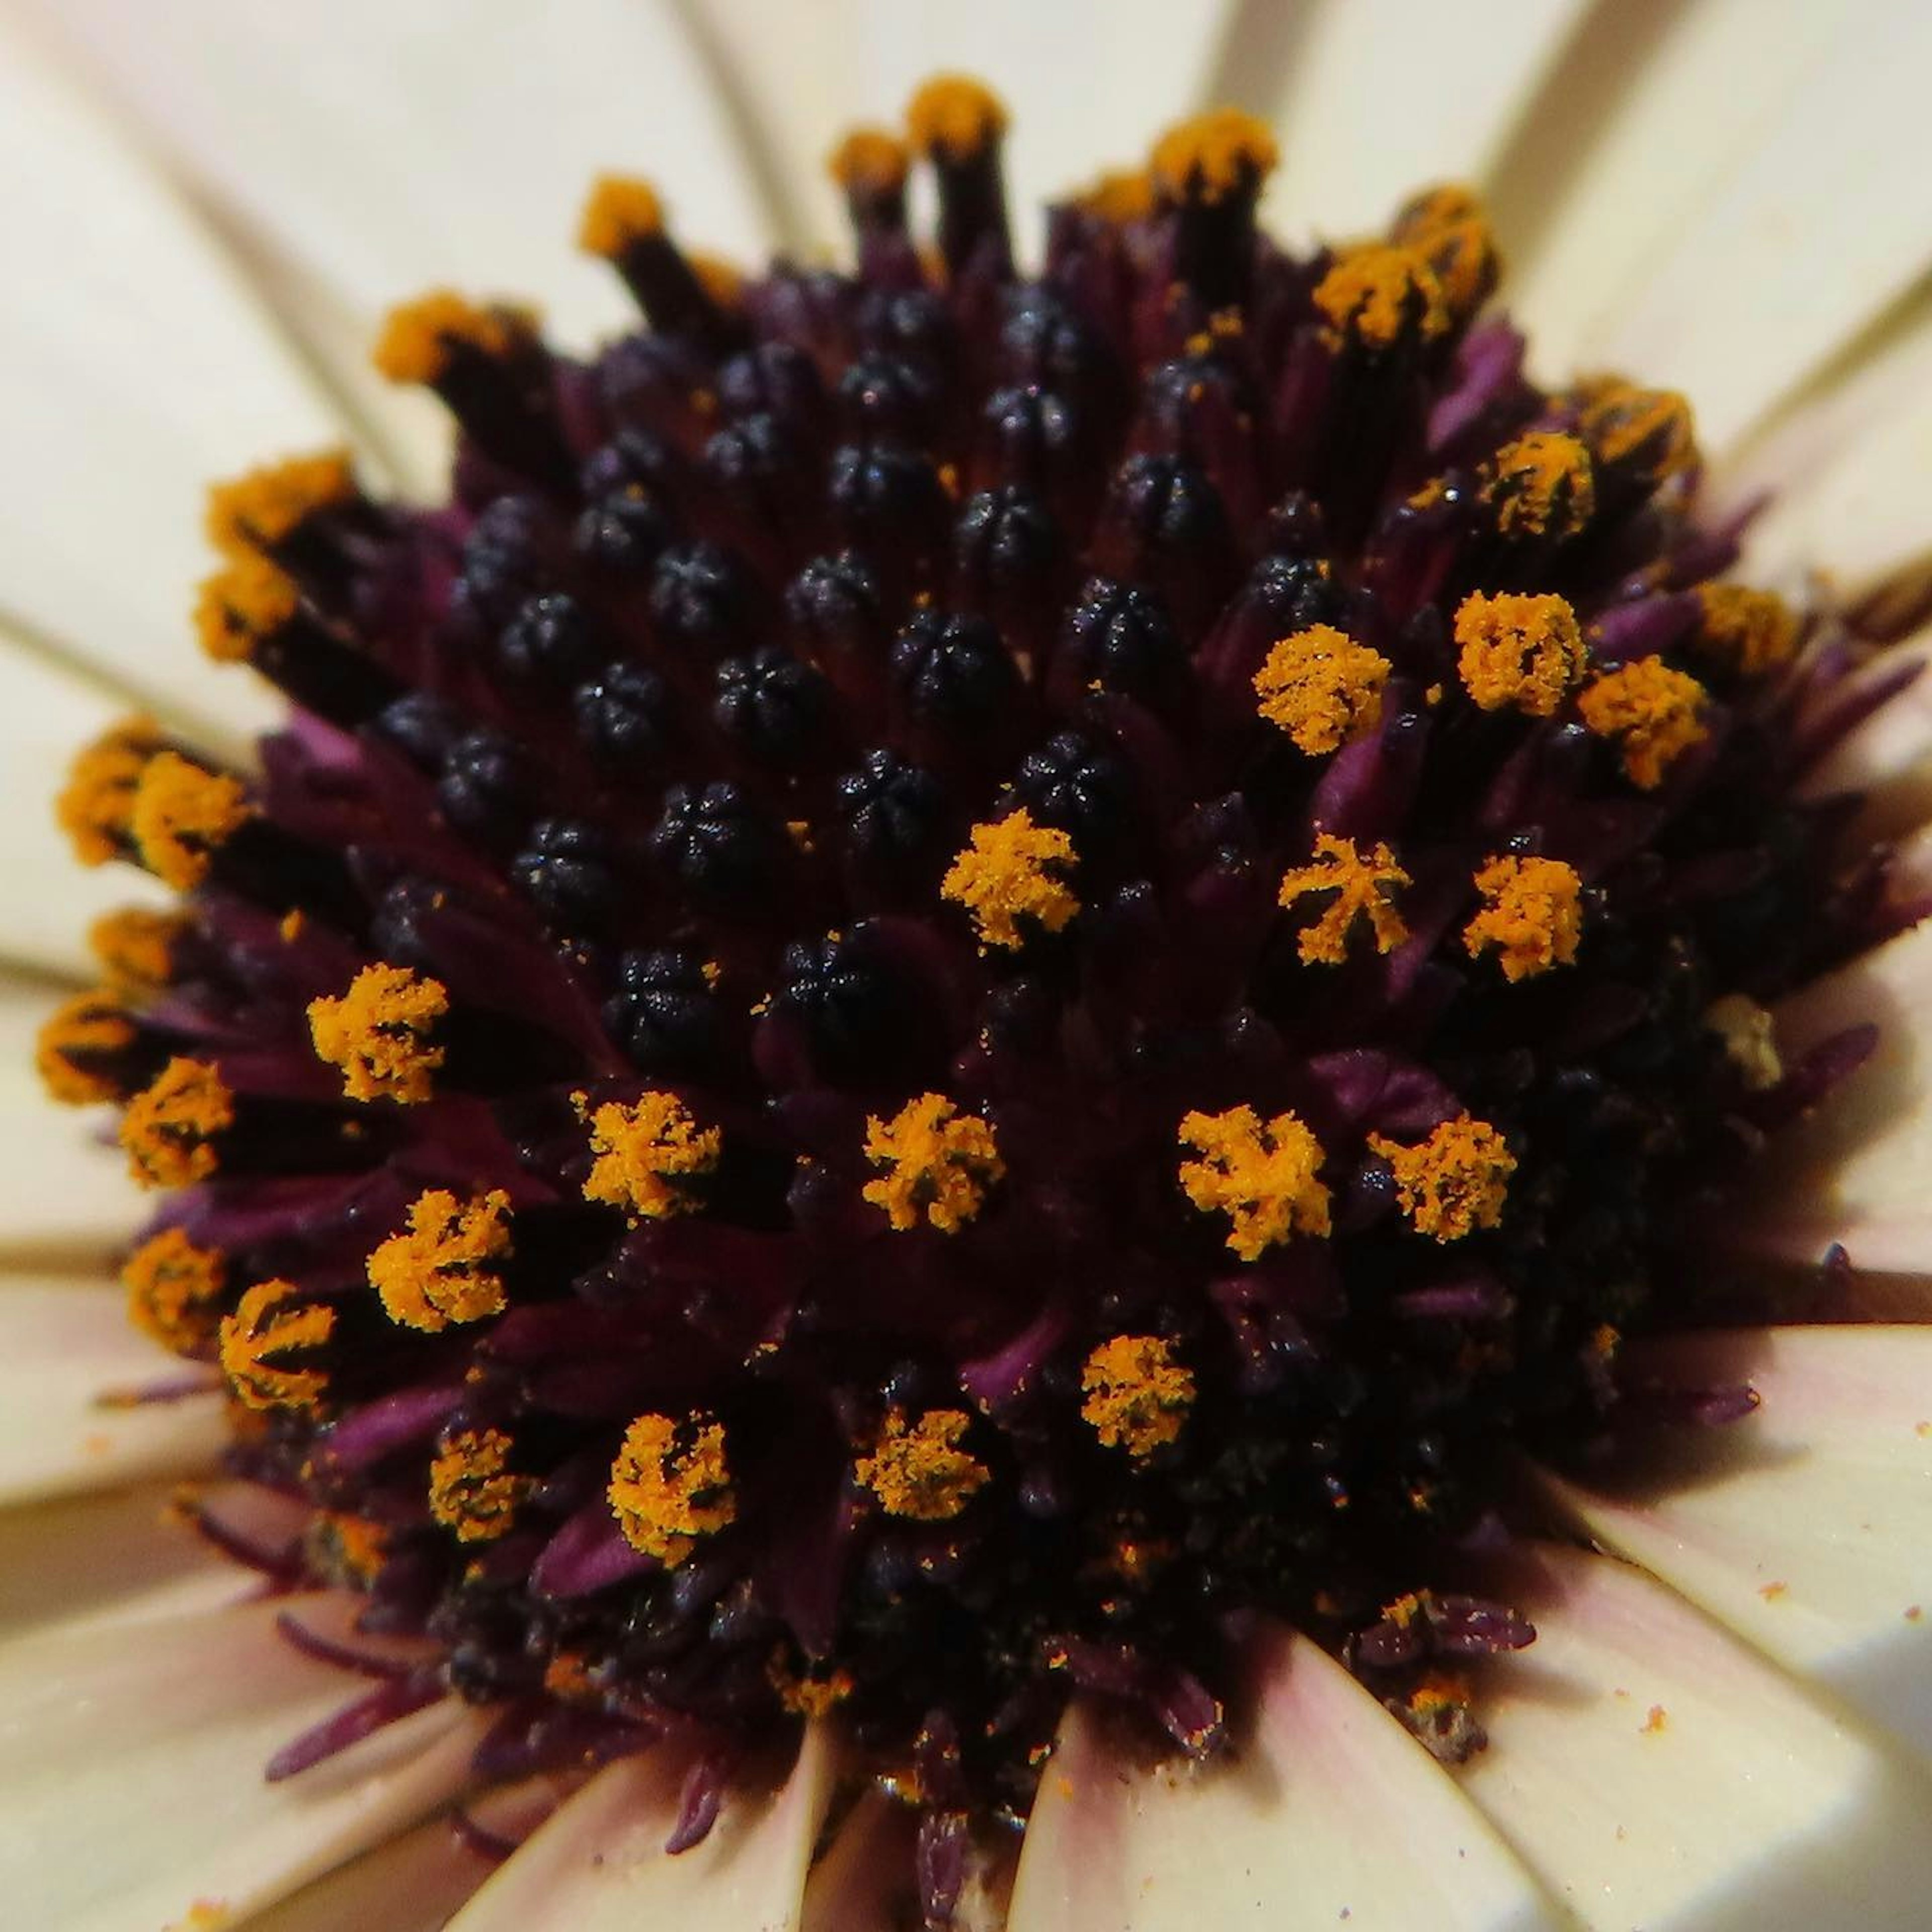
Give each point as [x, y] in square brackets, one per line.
[684, 1277]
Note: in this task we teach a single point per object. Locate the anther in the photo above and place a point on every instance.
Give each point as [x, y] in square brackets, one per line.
[439, 1270]
[1013, 869]
[378, 1033]
[623, 222]
[1209, 171]
[939, 1164]
[1453, 1183]
[1532, 916]
[1137, 1394]
[136, 947]
[472, 1490]
[647, 1152]
[270, 1321]
[1262, 1175]
[869, 165]
[1364, 885]
[174, 1292]
[957, 124]
[1655, 712]
[918, 1470]
[1745, 632]
[263, 512]
[1516, 651]
[670, 1486]
[85, 1050]
[96, 806]
[1322, 688]
[1376, 298]
[1541, 485]
[1447, 227]
[182, 815]
[1645, 436]
[171, 1127]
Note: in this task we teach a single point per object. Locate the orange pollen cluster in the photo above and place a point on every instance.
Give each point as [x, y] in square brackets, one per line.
[1532, 914]
[1542, 485]
[265, 506]
[174, 1291]
[1622, 423]
[939, 1163]
[666, 1492]
[87, 1027]
[1454, 1182]
[954, 118]
[1215, 154]
[346, 1548]
[1011, 871]
[618, 212]
[96, 806]
[243, 602]
[419, 338]
[919, 1472]
[1363, 887]
[378, 1034]
[1261, 1176]
[169, 1127]
[1448, 228]
[869, 161]
[183, 815]
[1124, 196]
[435, 1273]
[136, 947]
[809, 1696]
[1322, 687]
[1655, 712]
[1376, 292]
[471, 1488]
[1137, 1395]
[644, 1150]
[1745, 631]
[1519, 649]
[265, 1327]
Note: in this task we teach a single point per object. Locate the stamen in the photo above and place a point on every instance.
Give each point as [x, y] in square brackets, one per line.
[183, 815]
[1454, 1182]
[1374, 297]
[918, 1471]
[1541, 485]
[1654, 710]
[1216, 156]
[260, 511]
[1010, 871]
[1262, 1177]
[263, 1328]
[1363, 889]
[869, 165]
[1648, 432]
[1449, 228]
[623, 222]
[957, 123]
[246, 601]
[136, 947]
[378, 1034]
[1532, 915]
[940, 1162]
[619, 212]
[96, 806]
[1524, 651]
[670, 1486]
[644, 1150]
[471, 1488]
[434, 1275]
[953, 118]
[1120, 198]
[77, 1046]
[347, 1549]
[1138, 1395]
[1745, 631]
[421, 339]
[175, 1291]
[1322, 687]
[170, 1128]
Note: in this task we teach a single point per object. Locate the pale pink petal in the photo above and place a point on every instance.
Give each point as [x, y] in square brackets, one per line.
[1655, 1772]
[131, 1788]
[413, 1884]
[599, 1865]
[1330, 1813]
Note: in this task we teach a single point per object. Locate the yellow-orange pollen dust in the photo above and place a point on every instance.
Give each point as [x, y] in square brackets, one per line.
[1374, 294]
[174, 1291]
[136, 947]
[1212, 156]
[378, 1034]
[1654, 712]
[243, 602]
[436, 1272]
[1744, 631]
[472, 1490]
[1261, 1175]
[1447, 227]
[1137, 1395]
[869, 161]
[1623, 423]
[86, 1026]
[619, 212]
[1011, 871]
[346, 1549]
[265, 506]
[645, 1151]
[169, 1127]
[96, 806]
[1454, 1182]
[1363, 887]
[419, 338]
[919, 1470]
[670, 1486]
[1521, 650]
[1322, 687]
[1541, 485]
[953, 118]
[1532, 915]
[1123, 196]
[939, 1163]
[183, 815]
[264, 1327]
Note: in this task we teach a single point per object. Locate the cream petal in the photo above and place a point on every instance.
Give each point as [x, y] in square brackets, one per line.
[143, 367]
[67, 1351]
[863, 1880]
[1656, 1772]
[131, 1785]
[415, 1883]
[1292, 1832]
[599, 1864]
[384, 149]
[1807, 1527]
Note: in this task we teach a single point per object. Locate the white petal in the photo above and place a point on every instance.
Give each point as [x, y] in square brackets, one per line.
[1888, 756]
[140, 368]
[599, 1864]
[65, 1349]
[130, 1772]
[1380, 97]
[385, 148]
[1295, 1830]
[47, 712]
[414, 1884]
[1807, 1527]
[1657, 1773]
[1816, 231]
